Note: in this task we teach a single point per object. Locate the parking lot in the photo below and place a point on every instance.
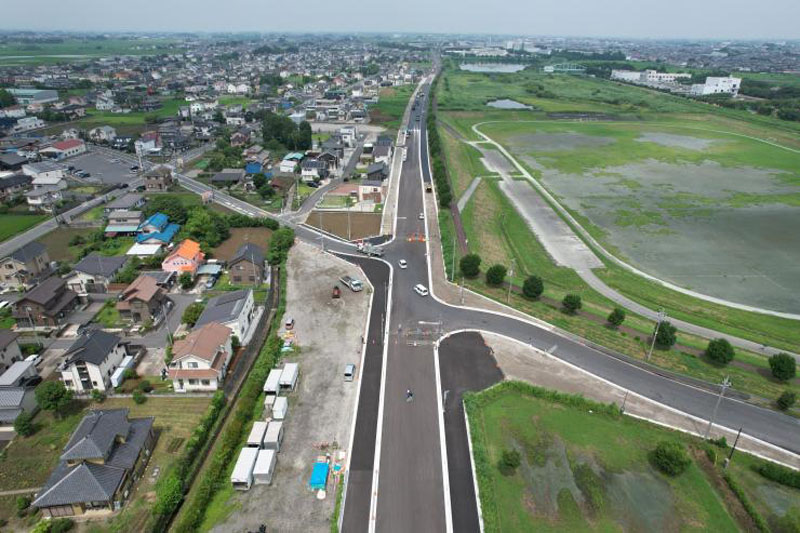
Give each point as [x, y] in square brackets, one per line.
[103, 168]
[329, 335]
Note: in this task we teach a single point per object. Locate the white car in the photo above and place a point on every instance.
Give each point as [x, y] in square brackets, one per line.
[403, 263]
[420, 289]
[34, 358]
[422, 216]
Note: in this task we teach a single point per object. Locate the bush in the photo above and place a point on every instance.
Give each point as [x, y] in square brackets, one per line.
[719, 351]
[616, 317]
[509, 462]
[23, 502]
[145, 386]
[61, 525]
[571, 303]
[783, 366]
[186, 281]
[666, 336]
[670, 457]
[98, 396]
[496, 275]
[129, 373]
[470, 265]
[786, 400]
[192, 313]
[532, 287]
[23, 424]
[139, 397]
[779, 474]
[590, 485]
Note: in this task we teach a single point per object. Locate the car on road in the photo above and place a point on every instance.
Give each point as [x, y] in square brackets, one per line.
[421, 216]
[349, 372]
[34, 358]
[420, 289]
[402, 263]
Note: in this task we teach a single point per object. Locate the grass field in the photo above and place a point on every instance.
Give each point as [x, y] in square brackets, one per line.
[388, 112]
[80, 49]
[583, 468]
[11, 225]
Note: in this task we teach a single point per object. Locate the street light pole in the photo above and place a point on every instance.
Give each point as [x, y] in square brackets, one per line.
[662, 314]
[724, 385]
[510, 280]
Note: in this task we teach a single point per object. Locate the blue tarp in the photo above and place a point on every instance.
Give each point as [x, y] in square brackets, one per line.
[165, 236]
[319, 476]
[252, 168]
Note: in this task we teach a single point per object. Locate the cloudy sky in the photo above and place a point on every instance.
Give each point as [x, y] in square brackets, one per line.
[740, 19]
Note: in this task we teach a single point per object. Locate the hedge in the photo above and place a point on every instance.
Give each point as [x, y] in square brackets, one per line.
[779, 474]
[761, 523]
[443, 190]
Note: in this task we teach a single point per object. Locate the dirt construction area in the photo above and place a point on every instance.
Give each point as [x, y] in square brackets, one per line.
[328, 334]
[350, 227]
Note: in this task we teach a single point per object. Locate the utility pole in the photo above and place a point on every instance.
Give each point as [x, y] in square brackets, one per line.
[662, 315]
[733, 449]
[454, 255]
[724, 385]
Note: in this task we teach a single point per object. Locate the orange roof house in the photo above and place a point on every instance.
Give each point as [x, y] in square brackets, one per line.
[187, 257]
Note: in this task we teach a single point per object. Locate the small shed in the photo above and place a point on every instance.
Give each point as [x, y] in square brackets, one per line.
[272, 384]
[256, 438]
[273, 436]
[265, 467]
[288, 379]
[281, 408]
[319, 476]
[242, 475]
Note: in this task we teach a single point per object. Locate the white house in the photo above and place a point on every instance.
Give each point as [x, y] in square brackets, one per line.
[235, 310]
[200, 360]
[103, 133]
[44, 170]
[27, 124]
[64, 149]
[91, 360]
[714, 85]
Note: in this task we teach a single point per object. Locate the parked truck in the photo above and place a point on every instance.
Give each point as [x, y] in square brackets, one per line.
[370, 249]
[354, 284]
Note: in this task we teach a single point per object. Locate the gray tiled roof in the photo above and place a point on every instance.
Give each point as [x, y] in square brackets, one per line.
[250, 252]
[95, 435]
[223, 308]
[7, 337]
[11, 397]
[100, 265]
[28, 252]
[93, 347]
[86, 482]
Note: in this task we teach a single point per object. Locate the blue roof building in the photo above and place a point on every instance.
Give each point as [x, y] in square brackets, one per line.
[156, 222]
[253, 168]
[157, 230]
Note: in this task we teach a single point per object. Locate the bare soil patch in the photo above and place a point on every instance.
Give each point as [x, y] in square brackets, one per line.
[239, 236]
[359, 226]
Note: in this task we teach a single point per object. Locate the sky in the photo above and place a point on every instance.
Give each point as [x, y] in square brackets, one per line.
[711, 19]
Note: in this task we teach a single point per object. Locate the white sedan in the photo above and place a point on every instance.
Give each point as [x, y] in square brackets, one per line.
[402, 263]
[420, 289]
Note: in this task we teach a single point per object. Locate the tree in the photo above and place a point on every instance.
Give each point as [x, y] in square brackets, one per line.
[53, 396]
[98, 396]
[23, 424]
[571, 303]
[532, 287]
[783, 366]
[282, 240]
[720, 351]
[186, 281]
[138, 397]
[6, 99]
[470, 265]
[616, 317]
[169, 205]
[169, 493]
[304, 136]
[192, 313]
[670, 457]
[666, 338]
[495, 275]
[786, 400]
[509, 462]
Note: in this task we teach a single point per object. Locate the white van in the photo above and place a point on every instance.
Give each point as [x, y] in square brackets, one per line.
[349, 372]
[420, 289]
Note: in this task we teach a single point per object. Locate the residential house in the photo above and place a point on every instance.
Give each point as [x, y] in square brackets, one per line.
[105, 455]
[94, 272]
[228, 177]
[142, 301]
[377, 172]
[44, 198]
[200, 360]
[238, 138]
[13, 184]
[25, 265]
[371, 191]
[45, 170]
[12, 161]
[247, 265]
[290, 162]
[233, 309]
[329, 158]
[382, 151]
[186, 257]
[64, 149]
[128, 202]
[27, 124]
[158, 178]
[10, 352]
[17, 393]
[157, 230]
[123, 222]
[91, 360]
[46, 305]
[335, 145]
[313, 170]
[103, 134]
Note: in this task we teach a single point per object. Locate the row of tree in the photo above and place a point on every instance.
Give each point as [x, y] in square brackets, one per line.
[443, 190]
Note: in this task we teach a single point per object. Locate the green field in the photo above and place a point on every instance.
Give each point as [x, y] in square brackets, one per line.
[11, 225]
[388, 112]
[584, 467]
[70, 50]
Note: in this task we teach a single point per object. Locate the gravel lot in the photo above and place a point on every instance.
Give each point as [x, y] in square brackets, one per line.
[329, 334]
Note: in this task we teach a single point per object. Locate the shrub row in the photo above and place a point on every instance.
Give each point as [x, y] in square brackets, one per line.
[443, 190]
[760, 522]
[779, 474]
[214, 476]
[172, 487]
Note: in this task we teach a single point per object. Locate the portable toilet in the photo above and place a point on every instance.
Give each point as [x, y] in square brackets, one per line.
[242, 476]
[288, 379]
[272, 385]
[280, 408]
[256, 437]
[274, 436]
[265, 467]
